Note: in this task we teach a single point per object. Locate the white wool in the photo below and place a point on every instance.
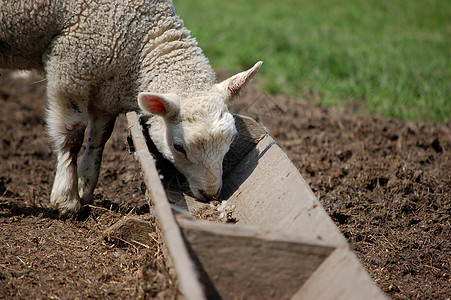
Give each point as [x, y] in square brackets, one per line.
[97, 56]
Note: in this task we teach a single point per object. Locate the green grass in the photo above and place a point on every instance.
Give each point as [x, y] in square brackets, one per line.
[395, 56]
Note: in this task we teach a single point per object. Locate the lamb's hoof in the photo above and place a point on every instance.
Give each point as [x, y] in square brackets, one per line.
[67, 209]
[68, 214]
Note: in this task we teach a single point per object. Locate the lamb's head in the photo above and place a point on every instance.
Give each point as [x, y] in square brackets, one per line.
[195, 133]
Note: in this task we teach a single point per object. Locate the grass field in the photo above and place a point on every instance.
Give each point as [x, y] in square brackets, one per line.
[395, 56]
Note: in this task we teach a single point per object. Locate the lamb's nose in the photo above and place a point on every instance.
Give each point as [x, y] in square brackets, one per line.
[210, 196]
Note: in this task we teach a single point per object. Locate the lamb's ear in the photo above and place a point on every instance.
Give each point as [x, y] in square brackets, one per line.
[235, 84]
[165, 105]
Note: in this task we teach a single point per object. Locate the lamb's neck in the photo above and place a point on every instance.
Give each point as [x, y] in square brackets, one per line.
[173, 63]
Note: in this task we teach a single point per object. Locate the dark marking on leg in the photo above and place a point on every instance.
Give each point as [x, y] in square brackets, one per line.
[74, 139]
[107, 130]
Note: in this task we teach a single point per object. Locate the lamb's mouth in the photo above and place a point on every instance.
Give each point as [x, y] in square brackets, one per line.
[202, 196]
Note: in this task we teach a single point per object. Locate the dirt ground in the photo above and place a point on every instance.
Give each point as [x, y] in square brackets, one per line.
[386, 183]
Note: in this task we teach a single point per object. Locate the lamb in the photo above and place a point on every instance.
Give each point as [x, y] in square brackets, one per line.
[103, 58]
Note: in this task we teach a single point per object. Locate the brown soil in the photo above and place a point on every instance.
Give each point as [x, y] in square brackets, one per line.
[44, 257]
[386, 184]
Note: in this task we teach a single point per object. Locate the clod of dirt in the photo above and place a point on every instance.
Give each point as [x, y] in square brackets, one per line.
[132, 231]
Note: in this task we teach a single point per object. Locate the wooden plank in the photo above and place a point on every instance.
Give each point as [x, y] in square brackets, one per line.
[189, 283]
[237, 262]
[269, 193]
[340, 277]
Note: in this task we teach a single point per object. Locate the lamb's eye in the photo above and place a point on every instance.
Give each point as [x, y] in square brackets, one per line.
[179, 148]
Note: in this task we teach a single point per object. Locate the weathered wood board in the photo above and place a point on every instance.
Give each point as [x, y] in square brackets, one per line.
[236, 262]
[284, 245]
[189, 284]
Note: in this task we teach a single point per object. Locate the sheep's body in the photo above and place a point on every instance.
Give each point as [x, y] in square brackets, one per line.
[97, 56]
[109, 49]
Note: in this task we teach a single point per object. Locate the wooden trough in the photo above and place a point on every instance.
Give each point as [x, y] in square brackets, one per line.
[283, 244]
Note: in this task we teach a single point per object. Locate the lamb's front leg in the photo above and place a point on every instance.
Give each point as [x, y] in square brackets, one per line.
[66, 126]
[100, 128]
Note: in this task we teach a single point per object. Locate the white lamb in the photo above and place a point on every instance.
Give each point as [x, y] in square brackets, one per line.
[102, 58]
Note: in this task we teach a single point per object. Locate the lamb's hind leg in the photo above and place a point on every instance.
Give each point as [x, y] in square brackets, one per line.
[100, 128]
[66, 126]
